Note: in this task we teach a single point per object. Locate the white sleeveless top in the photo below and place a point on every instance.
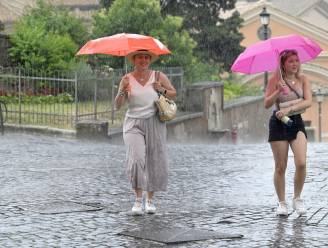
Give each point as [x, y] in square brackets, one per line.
[141, 102]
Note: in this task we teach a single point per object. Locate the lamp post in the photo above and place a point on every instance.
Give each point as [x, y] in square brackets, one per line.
[264, 34]
[319, 97]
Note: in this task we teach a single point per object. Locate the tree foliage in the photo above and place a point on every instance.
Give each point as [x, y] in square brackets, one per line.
[218, 39]
[56, 20]
[106, 3]
[144, 17]
[46, 38]
[33, 47]
[129, 16]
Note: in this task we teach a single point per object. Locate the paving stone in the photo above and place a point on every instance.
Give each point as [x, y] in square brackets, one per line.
[318, 217]
[215, 187]
[174, 235]
[60, 207]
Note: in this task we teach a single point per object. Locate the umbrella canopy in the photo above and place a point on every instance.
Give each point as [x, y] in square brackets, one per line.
[123, 44]
[264, 55]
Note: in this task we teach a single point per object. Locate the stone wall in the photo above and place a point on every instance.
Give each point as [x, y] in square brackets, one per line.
[250, 118]
[215, 119]
[187, 127]
[206, 118]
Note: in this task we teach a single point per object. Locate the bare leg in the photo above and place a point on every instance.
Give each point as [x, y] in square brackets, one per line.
[280, 154]
[138, 193]
[150, 195]
[299, 148]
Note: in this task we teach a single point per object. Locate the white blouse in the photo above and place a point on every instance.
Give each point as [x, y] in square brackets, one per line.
[141, 101]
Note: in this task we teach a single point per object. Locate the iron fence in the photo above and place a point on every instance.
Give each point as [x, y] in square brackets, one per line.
[64, 98]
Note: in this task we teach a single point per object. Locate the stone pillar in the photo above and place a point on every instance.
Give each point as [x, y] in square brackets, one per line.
[201, 95]
[207, 98]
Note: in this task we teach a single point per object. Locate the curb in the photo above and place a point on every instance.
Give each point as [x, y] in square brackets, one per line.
[40, 129]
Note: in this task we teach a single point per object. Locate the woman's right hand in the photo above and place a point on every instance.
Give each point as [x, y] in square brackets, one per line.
[282, 112]
[124, 84]
[281, 86]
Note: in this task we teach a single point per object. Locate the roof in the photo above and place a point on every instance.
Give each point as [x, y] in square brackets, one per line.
[293, 6]
[315, 12]
[10, 10]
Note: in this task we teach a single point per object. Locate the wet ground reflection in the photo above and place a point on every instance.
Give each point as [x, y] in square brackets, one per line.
[225, 188]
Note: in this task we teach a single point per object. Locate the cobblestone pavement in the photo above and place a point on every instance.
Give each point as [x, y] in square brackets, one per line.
[225, 188]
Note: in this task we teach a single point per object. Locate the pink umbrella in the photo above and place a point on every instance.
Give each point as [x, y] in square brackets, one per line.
[264, 55]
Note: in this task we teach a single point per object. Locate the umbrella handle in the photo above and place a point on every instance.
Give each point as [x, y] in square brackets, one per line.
[125, 65]
[279, 60]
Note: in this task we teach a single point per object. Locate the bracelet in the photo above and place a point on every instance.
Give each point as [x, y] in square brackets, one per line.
[121, 93]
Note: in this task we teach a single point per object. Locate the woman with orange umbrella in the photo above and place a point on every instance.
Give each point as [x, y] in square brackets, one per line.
[143, 133]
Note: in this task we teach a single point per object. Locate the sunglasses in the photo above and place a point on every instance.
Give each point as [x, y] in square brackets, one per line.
[288, 51]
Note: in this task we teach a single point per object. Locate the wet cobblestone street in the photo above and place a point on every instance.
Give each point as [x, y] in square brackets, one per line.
[224, 188]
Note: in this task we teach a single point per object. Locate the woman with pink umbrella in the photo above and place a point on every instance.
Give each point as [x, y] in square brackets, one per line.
[143, 133]
[291, 92]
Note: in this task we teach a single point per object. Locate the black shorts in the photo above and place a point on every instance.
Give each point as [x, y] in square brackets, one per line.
[280, 131]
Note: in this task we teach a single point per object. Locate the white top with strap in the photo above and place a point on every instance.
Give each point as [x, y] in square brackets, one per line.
[141, 101]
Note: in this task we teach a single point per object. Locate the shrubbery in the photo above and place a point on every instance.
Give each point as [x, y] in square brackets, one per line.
[48, 99]
[47, 38]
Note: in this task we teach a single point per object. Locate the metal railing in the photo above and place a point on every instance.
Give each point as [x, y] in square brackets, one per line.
[62, 99]
[3, 115]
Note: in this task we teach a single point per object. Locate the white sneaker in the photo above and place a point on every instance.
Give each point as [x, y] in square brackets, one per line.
[282, 208]
[150, 207]
[298, 206]
[137, 207]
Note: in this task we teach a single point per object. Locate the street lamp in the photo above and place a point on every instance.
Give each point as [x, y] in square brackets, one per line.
[264, 35]
[319, 97]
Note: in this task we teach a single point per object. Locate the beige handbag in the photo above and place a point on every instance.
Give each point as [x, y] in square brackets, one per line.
[167, 109]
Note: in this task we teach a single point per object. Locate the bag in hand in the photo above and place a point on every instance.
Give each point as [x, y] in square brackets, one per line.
[167, 108]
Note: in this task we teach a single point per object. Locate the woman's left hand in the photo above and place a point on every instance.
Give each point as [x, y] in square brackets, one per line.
[282, 112]
[158, 86]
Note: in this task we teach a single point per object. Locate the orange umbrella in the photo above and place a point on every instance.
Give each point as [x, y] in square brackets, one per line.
[123, 44]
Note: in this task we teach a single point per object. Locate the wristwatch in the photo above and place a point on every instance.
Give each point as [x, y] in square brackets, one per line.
[164, 91]
[121, 93]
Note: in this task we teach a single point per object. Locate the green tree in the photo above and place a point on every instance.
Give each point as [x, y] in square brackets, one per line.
[34, 48]
[46, 38]
[144, 17]
[57, 20]
[129, 16]
[218, 39]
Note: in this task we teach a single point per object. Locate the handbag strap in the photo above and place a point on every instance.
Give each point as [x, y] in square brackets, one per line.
[290, 87]
[156, 79]
[156, 75]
